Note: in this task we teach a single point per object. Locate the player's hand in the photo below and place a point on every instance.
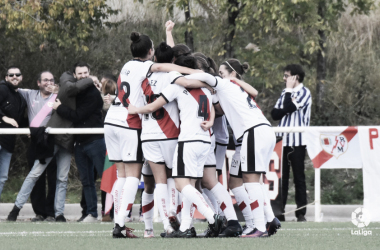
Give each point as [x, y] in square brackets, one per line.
[213, 91]
[56, 104]
[291, 81]
[108, 99]
[132, 109]
[206, 125]
[169, 25]
[10, 121]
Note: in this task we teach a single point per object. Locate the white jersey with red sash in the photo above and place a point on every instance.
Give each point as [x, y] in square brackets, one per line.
[194, 106]
[164, 123]
[128, 91]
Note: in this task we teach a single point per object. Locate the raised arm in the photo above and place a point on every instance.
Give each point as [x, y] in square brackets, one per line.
[159, 103]
[247, 88]
[169, 37]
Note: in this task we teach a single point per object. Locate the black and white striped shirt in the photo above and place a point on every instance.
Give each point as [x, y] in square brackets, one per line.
[293, 113]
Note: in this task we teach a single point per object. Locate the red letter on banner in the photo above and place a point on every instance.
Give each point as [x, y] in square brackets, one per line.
[373, 134]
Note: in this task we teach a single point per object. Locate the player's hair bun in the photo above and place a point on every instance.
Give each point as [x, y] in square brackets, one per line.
[163, 47]
[245, 66]
[135, 36]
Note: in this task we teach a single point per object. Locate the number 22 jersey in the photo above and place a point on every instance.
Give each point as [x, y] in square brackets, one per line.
[129, 91]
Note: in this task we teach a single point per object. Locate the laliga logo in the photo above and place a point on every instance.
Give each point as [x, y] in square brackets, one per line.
[334, 145]
[361, 218]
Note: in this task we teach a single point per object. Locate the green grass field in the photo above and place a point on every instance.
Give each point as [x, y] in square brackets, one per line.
[292, 235]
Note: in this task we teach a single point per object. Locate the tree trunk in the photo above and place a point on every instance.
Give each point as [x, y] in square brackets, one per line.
[232, 15]
[188, 33]
[321, 65]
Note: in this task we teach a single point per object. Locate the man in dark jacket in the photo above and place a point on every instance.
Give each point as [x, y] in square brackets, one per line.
[64, 144]
[12, 108]
[90, 149]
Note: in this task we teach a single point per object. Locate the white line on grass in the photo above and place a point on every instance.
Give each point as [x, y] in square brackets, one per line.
[108, 232]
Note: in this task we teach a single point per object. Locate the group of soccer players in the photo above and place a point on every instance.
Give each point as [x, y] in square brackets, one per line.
[171, 109]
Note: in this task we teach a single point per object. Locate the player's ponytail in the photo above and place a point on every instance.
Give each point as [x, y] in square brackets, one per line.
[164, 53]
[140, 45]
[235, 65]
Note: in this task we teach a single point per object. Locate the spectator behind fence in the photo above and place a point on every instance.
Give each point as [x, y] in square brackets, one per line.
[12, 108]
[63, 147]
[39, 108]
[293, 110]
[90, 149]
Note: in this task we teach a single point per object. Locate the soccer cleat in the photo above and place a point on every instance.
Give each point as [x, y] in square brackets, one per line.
[122, 232]
[60, 218]
[50, 219]
[301, 218]
[273, 226]
[148, 233]
[233, 229]
[174, 222]
[214, 229]
[82, 218]
[90, 219]
[247, 230]
[180, 234]
[193, 232]
[38, 218]
[256, 234]
[13, 214]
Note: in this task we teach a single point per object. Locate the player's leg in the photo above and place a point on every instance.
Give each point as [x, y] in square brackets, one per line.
[257, 148]
[224, 201]
[129, 149]
[147, 202]
[188, 162]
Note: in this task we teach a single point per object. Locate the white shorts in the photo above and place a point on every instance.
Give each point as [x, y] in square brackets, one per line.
[189, 159]
[235, 169]
[220, 155]
[211, 161]
[146, 170]
[160, 152]
[123, 144]
[256, 149]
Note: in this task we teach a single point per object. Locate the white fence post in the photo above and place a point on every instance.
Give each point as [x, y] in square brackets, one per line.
[317, 192]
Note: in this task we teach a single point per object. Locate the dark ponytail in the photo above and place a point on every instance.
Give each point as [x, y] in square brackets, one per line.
[164, 53]
[140, 45]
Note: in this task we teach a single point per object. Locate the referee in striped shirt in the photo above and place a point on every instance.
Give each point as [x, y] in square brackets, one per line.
[293, 110]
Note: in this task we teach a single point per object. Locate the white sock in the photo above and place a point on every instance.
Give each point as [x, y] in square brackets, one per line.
[224, 201]
[212, 203]
[127, 198]
[268, 211]
[186, 216]
[179, 207]
[195, 197]
[173, 197]
[162, 201]
[147, 202]
[116, 198]
[256, 194]
[242, 199]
